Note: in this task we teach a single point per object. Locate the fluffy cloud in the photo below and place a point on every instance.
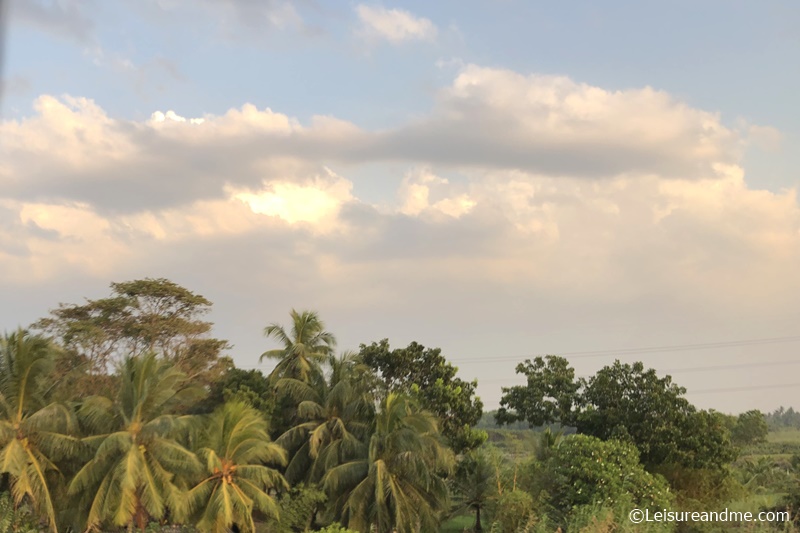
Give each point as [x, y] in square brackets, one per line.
[394, 25]
[555, 126]
[415, 195]
[593, 183]
[487, 119]
[527, 202]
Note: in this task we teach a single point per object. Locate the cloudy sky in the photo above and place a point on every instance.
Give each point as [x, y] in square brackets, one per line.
[498, 178]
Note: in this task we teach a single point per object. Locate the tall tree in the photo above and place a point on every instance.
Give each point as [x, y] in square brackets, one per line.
[426, 374]
[34, 435]
[137, 465]
[750, 428]
[140, 316]
[234, 449]
[333, 419]
[398, 484]
[548, 396]
[623, 402]
[304, 349]
[248, 386]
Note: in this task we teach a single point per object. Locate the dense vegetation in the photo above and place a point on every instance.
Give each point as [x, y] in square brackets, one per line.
[123, 413]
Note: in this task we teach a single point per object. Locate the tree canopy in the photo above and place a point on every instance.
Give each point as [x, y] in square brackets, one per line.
[623, 402]
[426, 374]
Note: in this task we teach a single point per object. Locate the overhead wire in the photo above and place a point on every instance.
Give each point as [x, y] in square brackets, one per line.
[665, 349]
[641, 351]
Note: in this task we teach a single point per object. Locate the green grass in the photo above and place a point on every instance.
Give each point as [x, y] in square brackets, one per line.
[785, 435]
[457, 524]
[780, 444]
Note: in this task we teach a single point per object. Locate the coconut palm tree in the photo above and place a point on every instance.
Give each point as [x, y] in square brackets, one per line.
[234, 449]
[304, 350]
[333, 419]
[473, 485]
[398, 484]
[34, 435]
[138, 463]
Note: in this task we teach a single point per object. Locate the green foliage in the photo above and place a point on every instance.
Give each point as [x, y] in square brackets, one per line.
[298, 509]
[336, 528]
[783, 418]
[304, 349]
[474, 484]
[779, 442]
[364, 439]
[511, 511]
[34, 435]
[332, 420]
[610, 519]
[626, 402]
[762, 473]
[622, 402]
[140, 316]
[584, 470]
[399, 482]
[750, 428]
[548, 397]
[15, 520]
[235, 448]
[138, 463]
[237, 385]
[426, 374]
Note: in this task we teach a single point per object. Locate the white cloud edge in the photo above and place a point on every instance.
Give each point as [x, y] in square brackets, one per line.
[394, 25]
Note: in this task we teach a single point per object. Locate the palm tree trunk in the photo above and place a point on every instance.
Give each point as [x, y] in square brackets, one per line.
[140, 517]
[478, 527]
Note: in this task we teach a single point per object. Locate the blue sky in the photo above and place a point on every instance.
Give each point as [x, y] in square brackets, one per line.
[492, 177]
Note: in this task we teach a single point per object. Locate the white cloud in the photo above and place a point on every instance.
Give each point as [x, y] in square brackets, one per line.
[415, 196]
[486, 119]
[530, 205]
[555, 126]
[605, 196]
[317, 203]
[394, 25]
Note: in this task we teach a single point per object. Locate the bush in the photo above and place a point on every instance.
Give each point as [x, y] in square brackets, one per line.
[19, 520]
[298, 509]
[585, 471]
[511, 511]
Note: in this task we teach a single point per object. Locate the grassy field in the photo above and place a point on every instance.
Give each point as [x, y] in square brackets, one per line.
[781, 444]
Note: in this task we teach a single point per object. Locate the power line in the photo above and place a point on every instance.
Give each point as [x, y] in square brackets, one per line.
[625, 351]
[674, 348]
[741, 389]
[644, 350]
[691, 370]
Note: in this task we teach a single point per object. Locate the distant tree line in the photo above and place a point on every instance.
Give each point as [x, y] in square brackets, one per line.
[782, 418]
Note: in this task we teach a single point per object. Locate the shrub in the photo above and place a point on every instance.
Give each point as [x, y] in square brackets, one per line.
[511, 511]
[585, 470]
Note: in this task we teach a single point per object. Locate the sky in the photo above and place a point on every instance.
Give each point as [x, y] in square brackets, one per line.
[497, 178]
